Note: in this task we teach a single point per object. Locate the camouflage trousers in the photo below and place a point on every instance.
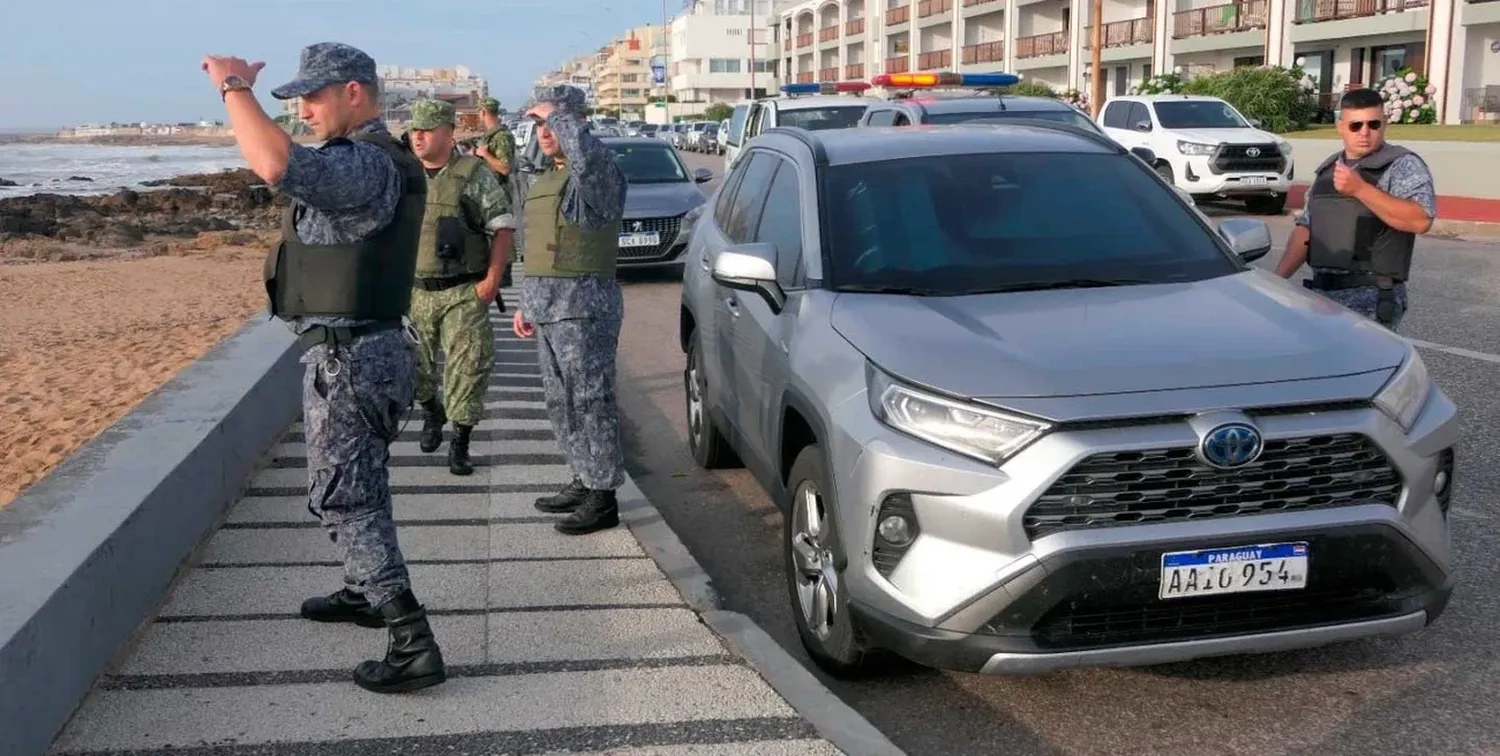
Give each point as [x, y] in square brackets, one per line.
[353, 400]
[577, 361]
[456, 321]
[1364, 300]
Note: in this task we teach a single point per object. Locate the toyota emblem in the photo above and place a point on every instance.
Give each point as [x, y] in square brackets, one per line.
[1252, 152]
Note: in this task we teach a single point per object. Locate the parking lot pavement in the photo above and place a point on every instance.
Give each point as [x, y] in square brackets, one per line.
[553, 644]
[1435, 692]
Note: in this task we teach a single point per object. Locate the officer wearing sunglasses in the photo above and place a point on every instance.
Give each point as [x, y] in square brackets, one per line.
[1362, 216]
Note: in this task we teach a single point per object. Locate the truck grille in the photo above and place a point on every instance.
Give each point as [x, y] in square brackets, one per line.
[1234, 158]
[666, 227]
[1171, 485]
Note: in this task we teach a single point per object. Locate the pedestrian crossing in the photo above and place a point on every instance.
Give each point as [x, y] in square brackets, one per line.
[554, 644]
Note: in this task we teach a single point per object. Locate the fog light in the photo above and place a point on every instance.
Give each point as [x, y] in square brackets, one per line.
[896, 530]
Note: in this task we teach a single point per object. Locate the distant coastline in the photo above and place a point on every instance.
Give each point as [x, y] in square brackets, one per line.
[152, 140]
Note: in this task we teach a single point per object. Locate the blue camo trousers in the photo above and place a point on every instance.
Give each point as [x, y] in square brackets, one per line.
[352, 409]
[1364, 299]
[577, 362]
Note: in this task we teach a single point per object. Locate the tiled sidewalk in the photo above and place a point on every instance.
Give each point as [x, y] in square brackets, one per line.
[554, 644]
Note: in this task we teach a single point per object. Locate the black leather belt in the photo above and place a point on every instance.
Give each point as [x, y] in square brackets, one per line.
[1331, 281]
[448, 282]
[322, 334]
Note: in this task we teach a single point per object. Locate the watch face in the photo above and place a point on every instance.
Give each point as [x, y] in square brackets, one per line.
[235, 82]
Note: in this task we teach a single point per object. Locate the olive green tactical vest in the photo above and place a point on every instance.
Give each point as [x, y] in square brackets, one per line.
[367, 280]
[444, 200]
[556, 248]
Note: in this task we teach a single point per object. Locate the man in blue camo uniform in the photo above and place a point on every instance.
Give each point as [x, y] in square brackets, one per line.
[342, 276]
[571, 302]
[1367, 205]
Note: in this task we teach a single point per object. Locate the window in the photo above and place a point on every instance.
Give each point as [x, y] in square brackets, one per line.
[649, 164]
[763, 66]
[959, 224]
[1061, 115]
[817, 119]
[781, 222]
[723, 65]
[725, 202]
[1117, 115]
[1198, 114]
[749, 197]
[902, 120]
[1140, 114]
[737, 123]
[882, 118]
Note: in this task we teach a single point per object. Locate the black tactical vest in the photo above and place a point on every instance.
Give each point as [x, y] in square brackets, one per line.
[367, 280]
[1348, 236]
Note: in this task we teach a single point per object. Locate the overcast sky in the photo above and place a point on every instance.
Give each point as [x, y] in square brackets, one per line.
[66, 62]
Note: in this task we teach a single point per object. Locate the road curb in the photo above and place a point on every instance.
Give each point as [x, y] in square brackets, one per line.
[834, 720]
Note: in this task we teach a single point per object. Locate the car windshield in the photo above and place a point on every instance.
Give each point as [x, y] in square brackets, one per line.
[817, 119]
[1070, 117]
[1198, 114]
[972, 223]
[649, 163]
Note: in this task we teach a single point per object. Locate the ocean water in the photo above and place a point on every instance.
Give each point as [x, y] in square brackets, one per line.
[38, 168]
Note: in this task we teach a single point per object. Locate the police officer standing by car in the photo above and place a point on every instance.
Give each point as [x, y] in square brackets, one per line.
[459, 272]
[342, 276]
[1362, 216]
[572, 304]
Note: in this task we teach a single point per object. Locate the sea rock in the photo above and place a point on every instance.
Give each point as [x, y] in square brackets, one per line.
[3, 182]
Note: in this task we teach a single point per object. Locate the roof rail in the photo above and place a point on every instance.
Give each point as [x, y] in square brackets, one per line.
[820, 155]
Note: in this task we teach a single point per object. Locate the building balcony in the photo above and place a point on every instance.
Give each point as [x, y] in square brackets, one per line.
[805, 40]
[899, 15]
[984, 52]
[1219, 19]
[898, 64]
[1136, 31]
[854, 71]
[828, 33]
[931, 61]
[972, 3]
[828, 74]
[806, 77]
[927, 8]
[854, 27]
[1313, 11]
[1037, 45]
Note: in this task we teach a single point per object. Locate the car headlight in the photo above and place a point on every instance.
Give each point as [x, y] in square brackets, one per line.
[1405, 393]
[1196, 148]
[980, 432]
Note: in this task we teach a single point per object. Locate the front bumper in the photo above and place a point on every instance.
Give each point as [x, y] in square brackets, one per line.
[672, 235]
[1217, 176]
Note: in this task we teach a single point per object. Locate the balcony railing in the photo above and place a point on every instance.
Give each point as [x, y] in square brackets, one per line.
[1313, 11]
[828, 33]
[984, 52]
[1037, 45]
[931, 61]
[1219, 19]
[927, 8]
[854, 26]
[899, 64]
[972, 3]
[828, 74]
[806, 77]
[899, 15]
[854, 71]
[805, 40]
[1136, 31]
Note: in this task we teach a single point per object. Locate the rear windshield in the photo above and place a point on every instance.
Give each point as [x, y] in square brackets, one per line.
[961, 224]
[817, 119]
[1071, 117]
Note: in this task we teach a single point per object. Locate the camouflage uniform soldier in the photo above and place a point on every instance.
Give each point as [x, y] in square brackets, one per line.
[572, 303]
[458, 276]
[342, 277]
[498, 149]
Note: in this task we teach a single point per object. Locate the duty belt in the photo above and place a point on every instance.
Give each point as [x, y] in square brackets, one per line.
[1332, 281]
[448, 282]
[321, 334]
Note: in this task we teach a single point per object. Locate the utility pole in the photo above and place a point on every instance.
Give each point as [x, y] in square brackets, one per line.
[1096, 79]
[752, 49]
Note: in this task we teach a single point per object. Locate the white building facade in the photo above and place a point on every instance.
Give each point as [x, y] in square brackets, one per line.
[1341, 43]
[721, 52]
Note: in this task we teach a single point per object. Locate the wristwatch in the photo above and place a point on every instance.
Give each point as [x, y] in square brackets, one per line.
[233, 83]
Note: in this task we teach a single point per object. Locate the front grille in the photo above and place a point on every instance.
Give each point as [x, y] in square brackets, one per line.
[1232, 158]
[666, 227]
[1171, 485]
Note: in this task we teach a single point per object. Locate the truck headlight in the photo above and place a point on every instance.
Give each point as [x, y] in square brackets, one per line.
[985, 434]
[1405, 393]
[1196, 148]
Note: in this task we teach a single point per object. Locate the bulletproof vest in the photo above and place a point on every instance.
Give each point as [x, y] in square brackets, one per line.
[367, 280]
[1348, 236]
[452, 243]
[556, 248]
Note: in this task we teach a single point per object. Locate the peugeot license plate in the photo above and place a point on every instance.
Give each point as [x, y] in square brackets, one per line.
[1253, 181]
[643, 239]
[1243, 569]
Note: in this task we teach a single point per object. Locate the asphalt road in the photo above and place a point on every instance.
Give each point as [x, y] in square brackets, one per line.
[1435, 692]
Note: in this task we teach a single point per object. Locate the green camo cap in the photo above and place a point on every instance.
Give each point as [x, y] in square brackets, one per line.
[489, 105]
[430, 114]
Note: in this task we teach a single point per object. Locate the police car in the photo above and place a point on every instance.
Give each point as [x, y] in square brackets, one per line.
[948, 98]
[814, 106]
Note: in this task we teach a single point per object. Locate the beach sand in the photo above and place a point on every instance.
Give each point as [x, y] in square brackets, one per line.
[82, 342]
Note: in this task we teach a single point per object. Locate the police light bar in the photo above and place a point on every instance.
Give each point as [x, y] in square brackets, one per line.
[825, 87]
[945, 79]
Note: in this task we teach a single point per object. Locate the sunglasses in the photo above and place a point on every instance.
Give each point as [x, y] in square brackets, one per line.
[1357, 126]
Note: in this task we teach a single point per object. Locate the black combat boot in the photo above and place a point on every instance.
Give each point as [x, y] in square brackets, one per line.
[599, 511]
[412, 660]
[458, 451]
[432, 425]
[566, 500]
[342, 606]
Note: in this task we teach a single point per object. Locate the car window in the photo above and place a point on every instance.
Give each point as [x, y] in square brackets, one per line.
[1117, 115]
[882, 118]
[649, 163]
[750, 197]
[1198, 114]
[1069, 116]
[726, 194]
[781, 222]
[737, 123]
[1139, 113]
[902, 120]
[975, 222]
[817, 119]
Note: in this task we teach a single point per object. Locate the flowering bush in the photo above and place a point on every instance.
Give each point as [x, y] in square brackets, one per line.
[1280, 98]
[1075, 98]
[1168, 83]
[1409, 98]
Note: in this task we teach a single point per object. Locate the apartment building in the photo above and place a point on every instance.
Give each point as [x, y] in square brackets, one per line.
[1341, 43]
[402, 85]
[721, 51]
[622, 71]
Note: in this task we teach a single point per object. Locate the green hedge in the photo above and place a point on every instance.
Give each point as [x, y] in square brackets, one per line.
[1282, 99]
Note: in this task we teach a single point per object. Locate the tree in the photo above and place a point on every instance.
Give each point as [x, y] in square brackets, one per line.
[717, 112]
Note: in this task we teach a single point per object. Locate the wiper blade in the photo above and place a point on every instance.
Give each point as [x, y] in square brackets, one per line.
[1071, 283]
[915, 291]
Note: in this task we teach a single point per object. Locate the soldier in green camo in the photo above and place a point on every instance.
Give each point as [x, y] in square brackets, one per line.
[467, 237]
[497, 147]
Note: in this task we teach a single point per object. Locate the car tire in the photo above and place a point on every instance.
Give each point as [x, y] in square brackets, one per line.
[815, 564]
[710, 449]
[1164, 169]
[1273, 205]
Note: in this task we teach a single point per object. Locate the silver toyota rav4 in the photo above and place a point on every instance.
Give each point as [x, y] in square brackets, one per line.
[1025, 410]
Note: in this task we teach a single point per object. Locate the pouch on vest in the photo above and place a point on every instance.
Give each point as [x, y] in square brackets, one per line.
[450, 239]
[1340, 232]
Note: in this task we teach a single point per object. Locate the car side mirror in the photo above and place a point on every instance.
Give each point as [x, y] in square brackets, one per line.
[1142, 126]
[1250, 239]
[1145, 154]
[1254, 122]
[752, 268]
[703, 176]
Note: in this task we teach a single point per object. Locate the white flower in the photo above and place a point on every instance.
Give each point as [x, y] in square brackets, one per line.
[1418, 100]
[1415, 114]
[1431, 89]
[1411, 77]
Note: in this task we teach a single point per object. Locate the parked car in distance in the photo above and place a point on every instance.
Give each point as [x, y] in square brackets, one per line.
[663, 200]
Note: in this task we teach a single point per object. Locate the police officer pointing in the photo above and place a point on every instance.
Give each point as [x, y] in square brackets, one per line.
[1362, 215]
[342, 276]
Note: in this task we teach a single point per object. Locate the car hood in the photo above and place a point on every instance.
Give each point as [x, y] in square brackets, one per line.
[1224, 136]
[661, 200]
[1246, 328]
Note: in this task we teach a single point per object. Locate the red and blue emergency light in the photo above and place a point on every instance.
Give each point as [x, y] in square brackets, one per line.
[825, 87]
[945, 79]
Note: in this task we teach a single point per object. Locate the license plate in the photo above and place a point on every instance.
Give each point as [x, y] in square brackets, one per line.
[1244, 569]
[1253, 180]
[645, 239]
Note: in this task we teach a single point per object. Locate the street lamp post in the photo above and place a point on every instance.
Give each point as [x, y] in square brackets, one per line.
[752, 49]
